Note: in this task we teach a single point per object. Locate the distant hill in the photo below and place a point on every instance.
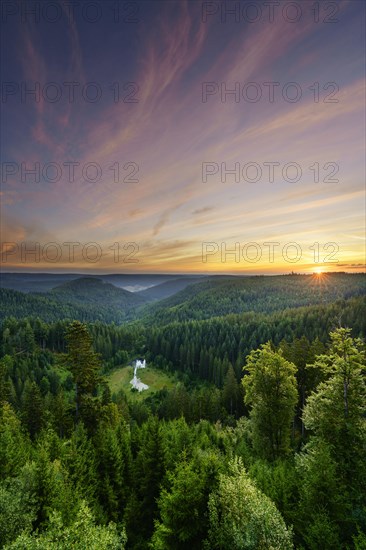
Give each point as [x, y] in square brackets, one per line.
[19, 305]
[181, 299]
[89, 290]
[34, 282]
[168, 288]
[86, 299]
[227, 295]
[171, 287]
[43, 282]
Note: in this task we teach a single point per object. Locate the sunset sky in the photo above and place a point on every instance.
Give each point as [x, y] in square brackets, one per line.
[173, 130]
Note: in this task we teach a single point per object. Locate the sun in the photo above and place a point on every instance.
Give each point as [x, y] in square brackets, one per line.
[318, 272]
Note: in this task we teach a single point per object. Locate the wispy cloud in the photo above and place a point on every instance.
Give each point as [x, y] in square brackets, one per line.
[170, 132]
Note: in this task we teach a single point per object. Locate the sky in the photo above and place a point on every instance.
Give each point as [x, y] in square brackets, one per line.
[183, 137]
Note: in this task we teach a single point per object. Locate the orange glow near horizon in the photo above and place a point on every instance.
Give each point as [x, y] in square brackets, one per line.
[168, 167]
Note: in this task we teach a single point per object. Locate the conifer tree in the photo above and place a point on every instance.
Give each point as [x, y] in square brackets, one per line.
[335, 417]
[84, 365]
[270, 391]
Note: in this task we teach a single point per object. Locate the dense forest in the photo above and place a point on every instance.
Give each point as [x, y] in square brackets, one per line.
[92, 299]
[223, 296]
[259, 442]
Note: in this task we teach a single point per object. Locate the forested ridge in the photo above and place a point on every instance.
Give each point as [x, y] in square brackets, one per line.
[259, 444]
[224, 296]
[91, 299]
[65, 304]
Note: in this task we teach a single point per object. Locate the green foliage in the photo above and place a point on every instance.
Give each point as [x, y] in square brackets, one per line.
[241, 517]
[6, 364]
[270, 391]
[231, 392]
[14, 443]
[111, 471]
[182, 511]
[202, 347]
[321, 504]
[48, 481]
[33, 409]
[17, 509]
[336, 410]
[333, 481]
[229, 295]
[147, 474]
[158, 465]
[360, 541]
[178, 440]
[279, 481]
[84, 365]
[301, 352]
[85, 299]
[81, 534]
[79, 458]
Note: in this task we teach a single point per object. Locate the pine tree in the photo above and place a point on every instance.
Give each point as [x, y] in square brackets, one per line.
[84, 365]
[33, 409]
[14, 443]
[148, 473]
[80, 459]
[335, 416]
[6, 364]
[110, 471]
[230, 392]
[270, 391]
[182, 511]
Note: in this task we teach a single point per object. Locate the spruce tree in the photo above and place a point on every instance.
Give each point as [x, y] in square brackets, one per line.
[271, 393]
[84, 365]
